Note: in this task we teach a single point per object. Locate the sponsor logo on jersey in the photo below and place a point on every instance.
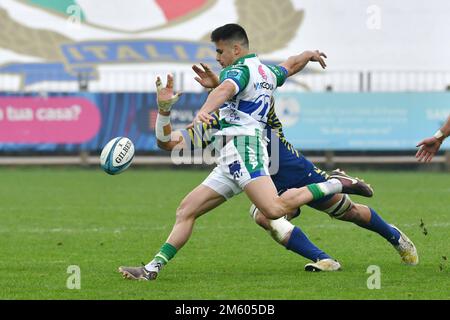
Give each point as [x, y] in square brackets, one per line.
[253, 159]
[263, 85]
[232, 73]
[235, 170]
[262, 72]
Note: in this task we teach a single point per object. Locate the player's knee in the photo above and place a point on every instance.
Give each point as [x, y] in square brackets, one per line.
[184, 212]
[258, 217]
[348, 215]
[342, 209]
[273, 209]
[279, 229]
[271, 213]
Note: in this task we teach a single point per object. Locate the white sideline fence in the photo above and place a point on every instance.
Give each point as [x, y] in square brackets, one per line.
[142, 80]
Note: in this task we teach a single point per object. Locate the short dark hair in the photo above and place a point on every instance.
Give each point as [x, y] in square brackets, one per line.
[231, 31]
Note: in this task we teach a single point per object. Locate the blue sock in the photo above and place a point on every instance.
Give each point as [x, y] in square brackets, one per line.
[378, 225]
[299, 243]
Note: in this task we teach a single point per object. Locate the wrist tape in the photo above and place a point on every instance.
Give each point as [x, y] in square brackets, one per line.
[163, 128]
[439, 134]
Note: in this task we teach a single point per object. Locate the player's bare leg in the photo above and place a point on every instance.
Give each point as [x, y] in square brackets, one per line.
[198, 202]
[263, 194]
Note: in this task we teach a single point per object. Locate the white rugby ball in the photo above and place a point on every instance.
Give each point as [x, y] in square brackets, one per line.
[117, 155]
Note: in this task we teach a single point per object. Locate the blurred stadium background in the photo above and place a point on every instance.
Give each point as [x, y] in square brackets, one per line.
[73, 75]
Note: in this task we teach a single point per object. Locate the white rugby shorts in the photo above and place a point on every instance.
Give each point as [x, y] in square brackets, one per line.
[241, 160]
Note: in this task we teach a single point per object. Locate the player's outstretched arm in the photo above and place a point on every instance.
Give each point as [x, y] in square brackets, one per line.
[296, 63]
[165, 137]
[430, 146]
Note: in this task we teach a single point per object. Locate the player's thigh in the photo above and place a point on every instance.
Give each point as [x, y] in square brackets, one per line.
[199, 201]
[263, 194]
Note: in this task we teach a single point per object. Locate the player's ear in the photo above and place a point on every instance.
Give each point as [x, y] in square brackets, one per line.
[237, 49]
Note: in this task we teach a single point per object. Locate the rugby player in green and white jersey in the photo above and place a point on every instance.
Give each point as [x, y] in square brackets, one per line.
[294, 170]
[244, 99]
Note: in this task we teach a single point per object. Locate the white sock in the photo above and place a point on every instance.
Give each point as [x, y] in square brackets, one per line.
[331, 186]
[154, 266]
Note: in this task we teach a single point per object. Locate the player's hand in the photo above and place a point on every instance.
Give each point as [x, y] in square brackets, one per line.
[428, 148]
[164, 95]
[206, 77]
[202, 117]
[318, 57]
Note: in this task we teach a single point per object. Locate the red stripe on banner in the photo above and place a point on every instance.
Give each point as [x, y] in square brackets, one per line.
[175, 8]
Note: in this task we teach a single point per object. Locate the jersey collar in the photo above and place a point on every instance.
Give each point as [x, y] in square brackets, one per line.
[241, 59]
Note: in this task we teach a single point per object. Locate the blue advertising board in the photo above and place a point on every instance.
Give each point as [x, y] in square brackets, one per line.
[361, 121]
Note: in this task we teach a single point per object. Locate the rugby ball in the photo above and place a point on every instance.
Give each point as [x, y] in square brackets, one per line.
[117, 155]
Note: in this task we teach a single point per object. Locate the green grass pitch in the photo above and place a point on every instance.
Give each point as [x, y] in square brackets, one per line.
[52, 218]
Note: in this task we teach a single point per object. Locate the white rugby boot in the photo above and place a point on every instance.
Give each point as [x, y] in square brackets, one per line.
[406, 249]
[323, 265]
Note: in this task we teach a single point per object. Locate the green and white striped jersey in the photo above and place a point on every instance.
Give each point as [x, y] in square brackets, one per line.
[246, 113]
